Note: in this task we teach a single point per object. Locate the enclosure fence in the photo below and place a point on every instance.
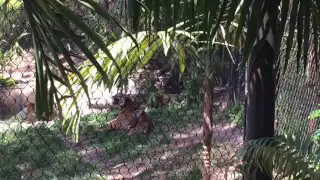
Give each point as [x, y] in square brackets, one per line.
[172, 149]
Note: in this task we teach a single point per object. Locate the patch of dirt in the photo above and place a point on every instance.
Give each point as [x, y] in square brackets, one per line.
[178, 157]
[21, 68]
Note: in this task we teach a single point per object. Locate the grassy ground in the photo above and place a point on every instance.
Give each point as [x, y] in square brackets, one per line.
[40, 153]
[168, 121]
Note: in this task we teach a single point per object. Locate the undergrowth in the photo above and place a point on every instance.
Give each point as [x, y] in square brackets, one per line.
[236, 113]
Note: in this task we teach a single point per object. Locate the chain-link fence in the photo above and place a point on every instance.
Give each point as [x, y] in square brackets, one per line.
[171, 143]
[298, 96]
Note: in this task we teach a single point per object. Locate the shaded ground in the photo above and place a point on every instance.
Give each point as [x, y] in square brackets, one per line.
[170, 161]
[21, 68]
[172, 152]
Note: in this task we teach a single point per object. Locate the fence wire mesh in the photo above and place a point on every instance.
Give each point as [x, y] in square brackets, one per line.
[172, 150]
[297, 97]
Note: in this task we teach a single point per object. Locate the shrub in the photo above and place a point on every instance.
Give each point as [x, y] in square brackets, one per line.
[236, 113]
[7, 82]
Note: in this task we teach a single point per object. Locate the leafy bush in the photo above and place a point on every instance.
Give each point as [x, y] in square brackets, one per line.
[315, 114]
[236, 113]
[15, 49]
[7, 82]
[152, 94]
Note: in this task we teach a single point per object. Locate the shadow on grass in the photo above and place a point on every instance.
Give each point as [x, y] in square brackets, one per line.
[167, 121]
[38, 153]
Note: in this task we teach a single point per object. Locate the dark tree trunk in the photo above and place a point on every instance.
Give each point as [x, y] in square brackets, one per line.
[260, 110]
[207, 120]
[260, 101]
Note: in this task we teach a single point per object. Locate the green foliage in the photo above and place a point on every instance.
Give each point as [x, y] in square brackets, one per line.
[11, 4]
[40, 148]
[290, 156]
[129, 58]
[152, 93]
[236, 113]
[48, 45]
[8, 82]
[195, 174]
[316, 136]
[167, 120]
[315, 114]
[193, 93]
[45, 151]
[15, 49]
[13, 23]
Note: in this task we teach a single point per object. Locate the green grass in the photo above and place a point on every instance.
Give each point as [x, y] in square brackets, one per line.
[166, 121]
[42, 150]
[195, 174]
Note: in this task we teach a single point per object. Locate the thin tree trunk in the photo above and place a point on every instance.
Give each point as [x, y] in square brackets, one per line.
[207, 119]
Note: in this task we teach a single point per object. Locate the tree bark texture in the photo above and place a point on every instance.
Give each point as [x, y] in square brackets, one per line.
[261, 102]
[207, 121]
[260, 111]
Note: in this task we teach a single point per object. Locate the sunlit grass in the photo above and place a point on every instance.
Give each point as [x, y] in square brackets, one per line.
[42, 151]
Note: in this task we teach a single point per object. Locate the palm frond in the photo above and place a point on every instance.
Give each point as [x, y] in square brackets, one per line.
[290, 156]
[129, 58]
[48, 45]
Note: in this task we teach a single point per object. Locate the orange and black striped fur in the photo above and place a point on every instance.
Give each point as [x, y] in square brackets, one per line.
[127, 107]
[141, 123]
[31, 113]
[130, 119]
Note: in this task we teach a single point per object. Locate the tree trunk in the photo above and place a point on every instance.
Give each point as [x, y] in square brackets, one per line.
[207, 119]
[261, 102]
[260, 111]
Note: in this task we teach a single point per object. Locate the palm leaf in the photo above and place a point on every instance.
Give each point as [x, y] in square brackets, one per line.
[129, 58]
[41, 14]
[288, 155]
